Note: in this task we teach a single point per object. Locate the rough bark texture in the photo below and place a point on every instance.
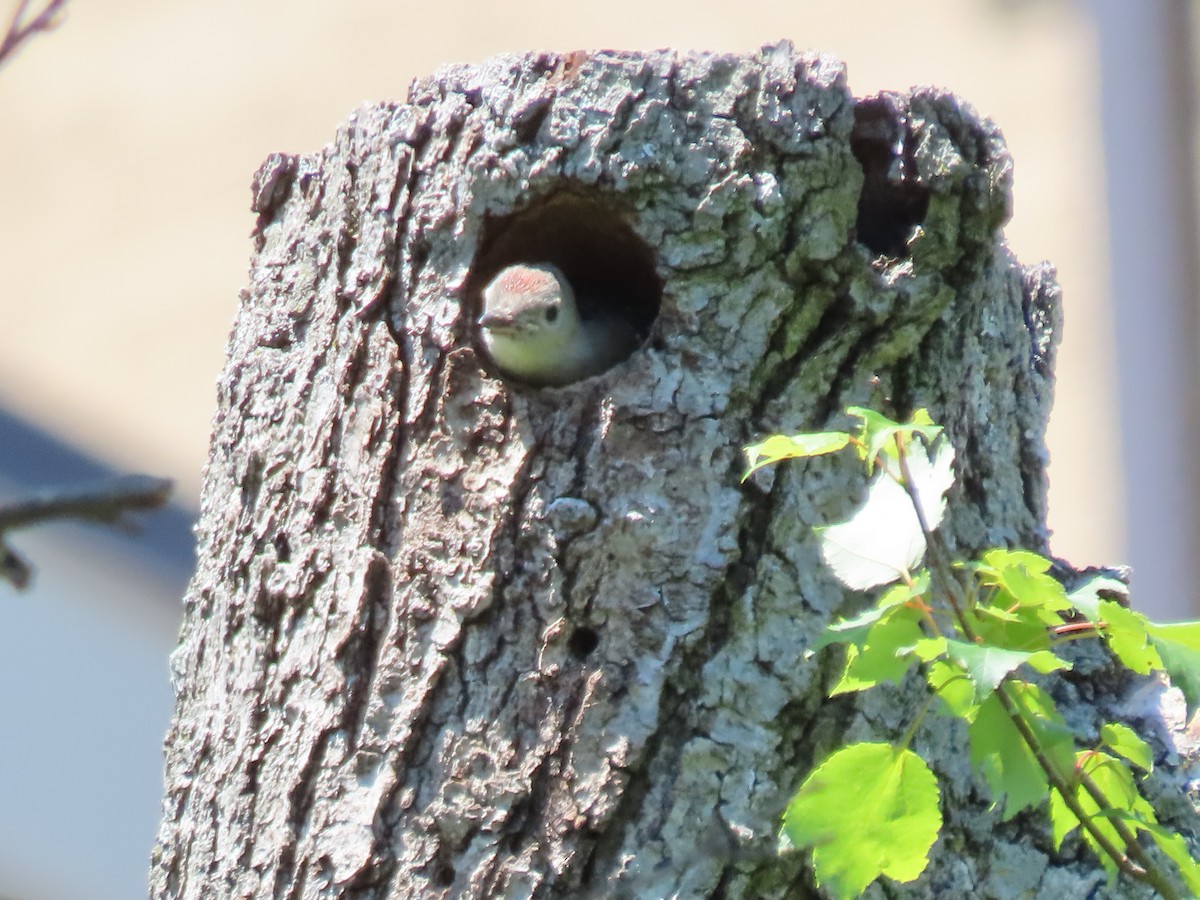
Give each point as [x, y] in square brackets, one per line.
[451, 637]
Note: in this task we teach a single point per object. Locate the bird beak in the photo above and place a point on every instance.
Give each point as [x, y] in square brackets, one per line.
[494, 320]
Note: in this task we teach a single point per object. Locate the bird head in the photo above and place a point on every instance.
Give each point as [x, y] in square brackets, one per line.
[529, 317]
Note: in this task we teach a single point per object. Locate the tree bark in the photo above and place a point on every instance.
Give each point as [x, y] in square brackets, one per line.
[454, 637]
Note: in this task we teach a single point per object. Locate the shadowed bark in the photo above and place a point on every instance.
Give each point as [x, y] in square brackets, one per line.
[454, 637]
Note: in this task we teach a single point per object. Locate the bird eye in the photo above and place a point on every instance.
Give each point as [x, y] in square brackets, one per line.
[551, 313]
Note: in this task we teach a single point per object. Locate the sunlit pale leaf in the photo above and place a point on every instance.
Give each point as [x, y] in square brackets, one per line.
[884, 539]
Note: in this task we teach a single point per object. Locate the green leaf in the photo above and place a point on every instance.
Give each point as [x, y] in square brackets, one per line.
[1002, 559]
[1123, 741]
[855, 630]
[1044, 662]
[1178, 646]
[950, 682]
[987, 665]
[1023, 578]
[883, 540]
[799, 446]
[1009, 766]
[1125, 631]
[877, 434]
[879, 657]
[927, 648]
[1025, 628]
[1185, 634]
[868, 810]
[1126, 634]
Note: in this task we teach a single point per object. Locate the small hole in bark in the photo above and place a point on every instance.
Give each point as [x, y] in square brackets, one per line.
[583, 641]
[452, 501]
[610, 268]
[283, 549]
[444, 876]
[892, 202]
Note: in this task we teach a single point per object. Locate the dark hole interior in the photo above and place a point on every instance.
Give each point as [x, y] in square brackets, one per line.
[583, 641]
[892, 202]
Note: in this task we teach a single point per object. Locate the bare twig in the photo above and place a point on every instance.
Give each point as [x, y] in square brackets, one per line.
[20, 29]
[104, 501]
[107, 501]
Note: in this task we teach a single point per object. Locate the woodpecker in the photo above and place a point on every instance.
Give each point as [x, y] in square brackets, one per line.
[534, 332]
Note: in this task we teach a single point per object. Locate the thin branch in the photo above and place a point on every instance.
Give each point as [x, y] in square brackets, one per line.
[104, 501]
[20, 30]
[107, 501]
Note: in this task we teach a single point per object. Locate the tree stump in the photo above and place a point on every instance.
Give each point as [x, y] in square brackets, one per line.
[452, 636]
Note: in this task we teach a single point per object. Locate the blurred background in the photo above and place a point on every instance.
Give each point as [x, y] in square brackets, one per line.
[130, 136]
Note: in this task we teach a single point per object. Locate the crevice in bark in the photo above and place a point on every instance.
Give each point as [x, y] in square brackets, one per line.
[361, 656]
[788, 365]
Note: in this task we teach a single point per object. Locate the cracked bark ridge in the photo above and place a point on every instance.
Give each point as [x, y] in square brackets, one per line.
[453, 637]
